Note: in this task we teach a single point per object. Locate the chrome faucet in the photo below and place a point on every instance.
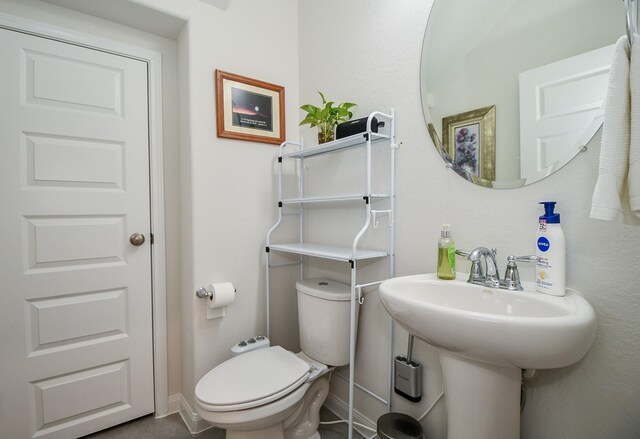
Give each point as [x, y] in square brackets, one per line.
[492, 278]
[477, 274]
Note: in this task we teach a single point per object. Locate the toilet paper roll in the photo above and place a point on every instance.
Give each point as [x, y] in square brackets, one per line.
[222, 294]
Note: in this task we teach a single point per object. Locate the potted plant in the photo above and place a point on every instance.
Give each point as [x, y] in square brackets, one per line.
[326, 117]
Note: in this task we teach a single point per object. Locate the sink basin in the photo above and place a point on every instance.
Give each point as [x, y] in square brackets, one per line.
[523, 329]
[485, 337]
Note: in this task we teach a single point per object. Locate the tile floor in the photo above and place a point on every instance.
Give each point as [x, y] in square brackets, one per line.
[172, 427]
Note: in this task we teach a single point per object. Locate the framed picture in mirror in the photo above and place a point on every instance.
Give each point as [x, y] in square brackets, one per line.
[444, 153]
[470, 140]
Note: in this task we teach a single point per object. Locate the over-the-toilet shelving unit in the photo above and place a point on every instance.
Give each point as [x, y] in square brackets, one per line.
[352, 253]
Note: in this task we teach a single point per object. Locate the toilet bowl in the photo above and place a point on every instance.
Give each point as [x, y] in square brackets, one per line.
[269, 393]
[276, 394]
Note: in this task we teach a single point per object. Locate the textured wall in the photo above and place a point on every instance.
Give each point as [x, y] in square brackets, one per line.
[369, 52]
[226, 185]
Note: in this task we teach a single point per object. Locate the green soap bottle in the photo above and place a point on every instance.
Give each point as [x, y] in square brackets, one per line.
[446, 254]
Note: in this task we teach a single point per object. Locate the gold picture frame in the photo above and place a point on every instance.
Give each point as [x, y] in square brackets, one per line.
[438, 143]
[249, 109]
[470, 140]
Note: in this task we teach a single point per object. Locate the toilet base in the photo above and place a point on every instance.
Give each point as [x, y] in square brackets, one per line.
[301, 421]
[274, 432]
[304, 424]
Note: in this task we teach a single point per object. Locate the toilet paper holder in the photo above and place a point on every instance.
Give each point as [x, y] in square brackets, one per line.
[219, 295]
[203, 293]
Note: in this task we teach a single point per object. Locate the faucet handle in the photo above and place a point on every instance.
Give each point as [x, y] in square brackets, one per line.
[476, 274]
[511, 275]
[527, 258]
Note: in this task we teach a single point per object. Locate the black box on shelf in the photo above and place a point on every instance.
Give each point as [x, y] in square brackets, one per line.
[356, 126]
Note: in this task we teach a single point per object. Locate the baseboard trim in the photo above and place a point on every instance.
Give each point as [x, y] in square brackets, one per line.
[341, 409]
[173, 403]
[195, 424]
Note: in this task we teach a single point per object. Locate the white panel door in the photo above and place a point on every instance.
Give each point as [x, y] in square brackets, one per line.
[560, 110]
[75, 294]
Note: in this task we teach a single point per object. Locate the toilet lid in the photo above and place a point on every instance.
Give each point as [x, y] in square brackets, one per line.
[252, 379]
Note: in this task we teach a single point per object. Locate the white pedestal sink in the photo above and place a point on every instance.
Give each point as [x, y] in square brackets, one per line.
[485, 337]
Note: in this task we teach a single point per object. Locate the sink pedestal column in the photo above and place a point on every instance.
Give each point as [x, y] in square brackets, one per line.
[483, 401]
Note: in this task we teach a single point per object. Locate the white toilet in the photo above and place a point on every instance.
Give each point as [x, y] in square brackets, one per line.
[272, 393]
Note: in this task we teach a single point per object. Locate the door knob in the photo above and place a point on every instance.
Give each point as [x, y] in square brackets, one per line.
[137, 239]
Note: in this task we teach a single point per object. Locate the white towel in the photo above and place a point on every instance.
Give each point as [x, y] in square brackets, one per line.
[614, 152]
[634, 147]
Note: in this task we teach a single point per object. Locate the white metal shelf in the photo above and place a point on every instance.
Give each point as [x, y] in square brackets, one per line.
[328, 251]
[345, 143]
[351, 253]
[330, 198]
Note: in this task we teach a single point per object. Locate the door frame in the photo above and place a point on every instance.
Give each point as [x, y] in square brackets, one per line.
[153, 60]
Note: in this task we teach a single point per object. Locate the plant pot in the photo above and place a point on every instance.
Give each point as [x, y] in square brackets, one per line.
[326, 134]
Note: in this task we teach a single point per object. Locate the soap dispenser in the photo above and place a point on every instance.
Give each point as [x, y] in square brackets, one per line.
[550, 253]
[446, 254]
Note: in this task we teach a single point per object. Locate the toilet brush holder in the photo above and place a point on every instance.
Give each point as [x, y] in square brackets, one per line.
[408, 375]
[408, 379]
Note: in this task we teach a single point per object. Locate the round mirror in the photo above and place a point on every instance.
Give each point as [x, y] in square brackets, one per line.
[512, 90]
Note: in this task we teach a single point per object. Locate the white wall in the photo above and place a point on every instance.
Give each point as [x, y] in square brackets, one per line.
[226, 186]
[369, 53]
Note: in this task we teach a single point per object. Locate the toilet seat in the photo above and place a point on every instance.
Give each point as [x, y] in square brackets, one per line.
[251, 380]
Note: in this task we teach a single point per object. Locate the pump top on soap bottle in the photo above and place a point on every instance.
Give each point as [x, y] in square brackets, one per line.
[550, 217]
[550, 252]
[446, 254]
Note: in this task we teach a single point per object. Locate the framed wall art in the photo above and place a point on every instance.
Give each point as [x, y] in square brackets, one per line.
[249, 109]
[470, 139]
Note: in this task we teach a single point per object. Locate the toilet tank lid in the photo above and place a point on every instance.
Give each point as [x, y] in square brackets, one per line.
[252, 379]
[324, 289]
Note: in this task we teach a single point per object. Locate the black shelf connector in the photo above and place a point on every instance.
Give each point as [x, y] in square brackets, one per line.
[280, 159]
[366, 199]
[267, 249]
[279, 203]
[353, 264]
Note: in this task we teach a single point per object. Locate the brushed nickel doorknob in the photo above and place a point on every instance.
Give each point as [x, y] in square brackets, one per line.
[137, 239]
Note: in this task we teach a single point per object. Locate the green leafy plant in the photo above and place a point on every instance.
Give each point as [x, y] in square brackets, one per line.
[326, 117]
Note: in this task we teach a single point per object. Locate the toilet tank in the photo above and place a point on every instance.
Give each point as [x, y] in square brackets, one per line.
[324, 309]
